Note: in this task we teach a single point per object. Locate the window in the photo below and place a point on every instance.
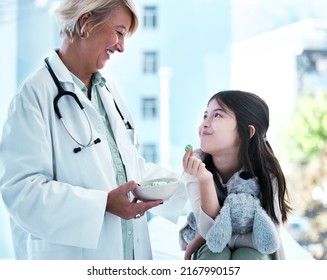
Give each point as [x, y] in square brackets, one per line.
[150, 17]
[312, 61]
[149, 108]
[150, 62]
[149, 152]
[312, 71]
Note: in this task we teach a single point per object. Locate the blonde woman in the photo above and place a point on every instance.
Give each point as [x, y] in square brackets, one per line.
[68, 159]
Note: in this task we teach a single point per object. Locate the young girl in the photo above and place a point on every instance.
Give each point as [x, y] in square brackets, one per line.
[232, 140]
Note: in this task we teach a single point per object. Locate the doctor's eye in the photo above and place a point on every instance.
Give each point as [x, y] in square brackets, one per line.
[119, 34]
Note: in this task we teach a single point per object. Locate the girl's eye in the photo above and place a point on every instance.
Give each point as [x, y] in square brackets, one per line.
[205, 116]
[217, 115]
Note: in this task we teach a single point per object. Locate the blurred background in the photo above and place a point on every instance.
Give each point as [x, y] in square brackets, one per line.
[185, 51]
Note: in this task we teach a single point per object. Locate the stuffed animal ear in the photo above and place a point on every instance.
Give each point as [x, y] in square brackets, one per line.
[221, 232]
[189, 231]
[265, 234]
[191, 220]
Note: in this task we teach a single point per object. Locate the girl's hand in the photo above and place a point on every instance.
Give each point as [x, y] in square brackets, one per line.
[208, 196]
[195, 167]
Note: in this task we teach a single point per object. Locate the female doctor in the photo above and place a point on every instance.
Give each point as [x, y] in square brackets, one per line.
[68, 162]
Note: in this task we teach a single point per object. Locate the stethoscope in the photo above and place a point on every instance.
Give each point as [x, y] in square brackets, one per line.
[62, 92]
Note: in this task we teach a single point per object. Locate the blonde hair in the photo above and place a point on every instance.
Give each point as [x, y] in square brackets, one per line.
[70, 11]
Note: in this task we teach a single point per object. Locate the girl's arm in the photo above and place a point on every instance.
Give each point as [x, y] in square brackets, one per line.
[208, 197]
[195, 244]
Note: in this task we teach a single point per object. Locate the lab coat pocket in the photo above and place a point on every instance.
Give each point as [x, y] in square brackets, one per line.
[38, 249]
[132, 135]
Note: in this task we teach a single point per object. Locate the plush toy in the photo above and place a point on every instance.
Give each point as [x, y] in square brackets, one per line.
[242, 213]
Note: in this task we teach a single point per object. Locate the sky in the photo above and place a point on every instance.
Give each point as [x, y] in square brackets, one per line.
[253, 17]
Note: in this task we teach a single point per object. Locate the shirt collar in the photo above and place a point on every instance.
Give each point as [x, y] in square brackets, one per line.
[97, 80]
[231, 179]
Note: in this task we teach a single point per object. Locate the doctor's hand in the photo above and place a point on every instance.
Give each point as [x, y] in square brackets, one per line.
[118, 202]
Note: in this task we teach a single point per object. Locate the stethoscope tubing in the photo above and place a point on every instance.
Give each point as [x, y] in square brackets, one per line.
[61, 93]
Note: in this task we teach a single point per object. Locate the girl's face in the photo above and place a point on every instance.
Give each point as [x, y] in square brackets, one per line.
[218, 131]
[107, 38]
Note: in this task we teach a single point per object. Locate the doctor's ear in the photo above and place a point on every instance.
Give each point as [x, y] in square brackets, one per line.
[252, 130]
[83, 22]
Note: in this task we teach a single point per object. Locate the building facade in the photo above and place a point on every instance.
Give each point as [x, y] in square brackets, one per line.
[280, 65]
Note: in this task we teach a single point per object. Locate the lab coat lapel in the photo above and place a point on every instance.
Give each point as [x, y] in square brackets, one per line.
[126, 148]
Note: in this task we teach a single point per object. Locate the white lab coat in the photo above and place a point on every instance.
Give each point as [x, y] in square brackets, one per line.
[56, 198]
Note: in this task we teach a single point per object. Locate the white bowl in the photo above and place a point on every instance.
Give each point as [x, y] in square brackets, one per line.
[163, 191]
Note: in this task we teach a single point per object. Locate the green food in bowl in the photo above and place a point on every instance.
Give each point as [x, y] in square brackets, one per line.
[160, 183]
[160, 188]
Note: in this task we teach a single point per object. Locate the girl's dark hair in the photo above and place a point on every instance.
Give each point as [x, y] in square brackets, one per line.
[256, 155]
